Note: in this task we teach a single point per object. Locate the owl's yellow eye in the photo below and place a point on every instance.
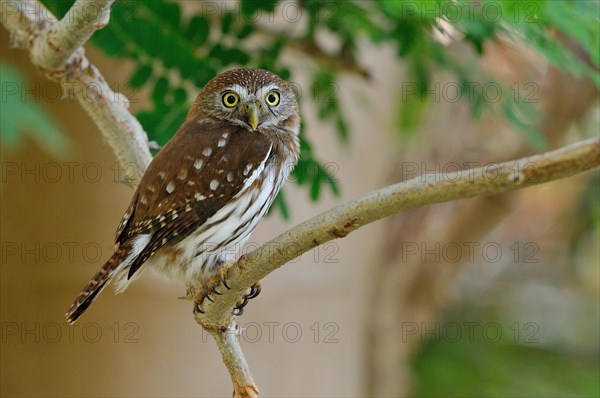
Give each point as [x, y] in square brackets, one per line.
[272, 98]
[230, 99]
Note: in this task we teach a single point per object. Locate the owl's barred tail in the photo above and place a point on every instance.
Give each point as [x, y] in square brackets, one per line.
[98, 282]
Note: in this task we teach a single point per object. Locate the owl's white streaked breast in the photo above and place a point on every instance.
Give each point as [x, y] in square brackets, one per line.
[197, 255]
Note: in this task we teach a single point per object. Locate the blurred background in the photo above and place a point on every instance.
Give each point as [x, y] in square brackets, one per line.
[491, 296]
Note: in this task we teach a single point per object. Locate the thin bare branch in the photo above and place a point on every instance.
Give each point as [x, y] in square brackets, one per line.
[228, 341]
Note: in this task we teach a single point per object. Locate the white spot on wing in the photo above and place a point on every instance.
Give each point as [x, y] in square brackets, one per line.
[221, 143]
[247, 169]
[198, 196]
[214, 184]
[230, 176]
[198, 164]
[207, 151]
[170, 187]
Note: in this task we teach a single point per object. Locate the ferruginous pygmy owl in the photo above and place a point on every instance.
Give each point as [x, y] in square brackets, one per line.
[205, 191]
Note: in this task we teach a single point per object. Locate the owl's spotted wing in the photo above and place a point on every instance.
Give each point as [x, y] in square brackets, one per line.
[202, 168]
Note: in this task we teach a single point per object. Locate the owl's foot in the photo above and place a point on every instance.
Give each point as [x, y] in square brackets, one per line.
[210, 287]
[239, 307]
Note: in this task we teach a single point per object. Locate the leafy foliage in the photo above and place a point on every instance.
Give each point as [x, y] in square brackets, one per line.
[487, 368]
[175, 53]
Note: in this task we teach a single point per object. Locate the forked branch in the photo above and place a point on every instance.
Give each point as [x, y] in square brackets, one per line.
[340, 221]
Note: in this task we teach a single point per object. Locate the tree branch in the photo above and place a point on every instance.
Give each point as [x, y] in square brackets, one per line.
[55, 48]
[420, 191]
[228, 341]
[64, 39]
[346, 218]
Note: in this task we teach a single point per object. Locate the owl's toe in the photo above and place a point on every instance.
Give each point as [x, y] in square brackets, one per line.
[254, 291]
[197, 308]
[239, 307]
[222, 275]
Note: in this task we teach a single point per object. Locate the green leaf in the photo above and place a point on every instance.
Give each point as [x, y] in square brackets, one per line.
[198, 29]
[227, 22]
[58, 7]
[180, 95]
[112, 41]
[160, 90]
[170, 121]
[330, 180]
[245, 31]
[149, 119]
[280, 203]
[341, 127]
[518, 116]
[229, 55]
[315, 187]
[324, 91]
[140, 76]
[203, 73]
[169, 12]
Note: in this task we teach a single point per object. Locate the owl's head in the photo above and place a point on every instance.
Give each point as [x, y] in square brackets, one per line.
[255, 99]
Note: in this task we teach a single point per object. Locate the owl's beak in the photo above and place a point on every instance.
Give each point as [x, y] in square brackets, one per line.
[252, 115]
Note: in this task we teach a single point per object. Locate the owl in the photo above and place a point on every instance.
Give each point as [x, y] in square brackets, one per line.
[208, 187]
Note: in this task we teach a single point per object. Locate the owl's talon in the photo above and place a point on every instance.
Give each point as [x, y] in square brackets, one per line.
[198, 309]
[254, 291]
[239, 307]
[237, 311]
[208, 288]
[224, 282]
[223, 276]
